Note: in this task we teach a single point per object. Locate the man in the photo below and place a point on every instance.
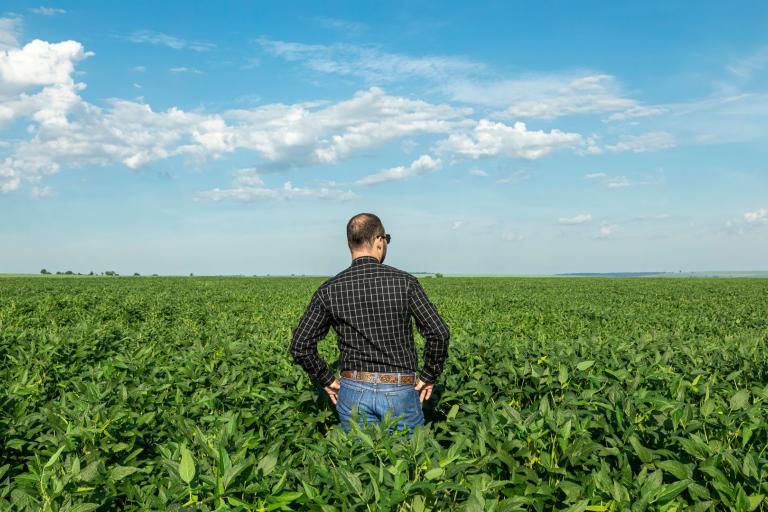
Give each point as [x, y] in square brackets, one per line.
[370, 306]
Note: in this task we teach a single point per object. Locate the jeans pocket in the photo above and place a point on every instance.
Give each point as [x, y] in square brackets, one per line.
[347, 398]
[405, 402]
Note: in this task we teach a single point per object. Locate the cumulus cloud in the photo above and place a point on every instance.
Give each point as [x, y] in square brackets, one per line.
[40, 63]
[478, 172]
[369, 63]
[133, 134]
[580, 218]
[421, 165]
[498, 139]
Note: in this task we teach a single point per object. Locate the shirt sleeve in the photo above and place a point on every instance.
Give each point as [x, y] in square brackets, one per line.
[432, 327]
[313, 326]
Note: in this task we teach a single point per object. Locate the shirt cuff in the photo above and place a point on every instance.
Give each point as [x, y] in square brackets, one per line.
[427, 377]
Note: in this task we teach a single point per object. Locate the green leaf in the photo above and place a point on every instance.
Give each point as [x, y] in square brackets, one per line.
[740, 399]
[584, 365]
[84, 507]
[645, 454]
[452, 413]
[119, 472]
[267, 464]
[54, 457]
[187, 465]
[675, 468]
[434, 473]
[669, 492]
[754, 501]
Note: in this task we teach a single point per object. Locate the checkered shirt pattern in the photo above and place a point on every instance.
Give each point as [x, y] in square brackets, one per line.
[370, 306]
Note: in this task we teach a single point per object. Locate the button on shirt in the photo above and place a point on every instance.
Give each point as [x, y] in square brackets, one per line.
[370, 306]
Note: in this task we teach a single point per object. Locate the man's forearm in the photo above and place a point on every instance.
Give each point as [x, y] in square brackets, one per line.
[313, 364]
[435, 354]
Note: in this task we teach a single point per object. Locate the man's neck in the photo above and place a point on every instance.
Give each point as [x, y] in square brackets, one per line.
[356, 255]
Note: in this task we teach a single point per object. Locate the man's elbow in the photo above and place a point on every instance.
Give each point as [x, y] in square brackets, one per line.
[444, 333]
[296, 350]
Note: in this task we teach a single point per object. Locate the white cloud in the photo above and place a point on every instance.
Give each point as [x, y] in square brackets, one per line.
[159, 38]
[457, 224]
[421, 165]
[759, 216]
[133, 134]
[10, 28]
[42, 191]
[746, 67]
[47, 11]
[655, 217]
[580, 218]
[345, 26]
[498, 139]
[288, 191]
[183, 69]
[478, 172]
[36, 82]
[607, 230]
[368, 63]
[40, 63]
[515, 177]
[617, 182]
[10, 178]
[638, 111]
[139, 69]
[595, 176]
[248, 177]
[549, 96]
[651, 141]
[512, 237]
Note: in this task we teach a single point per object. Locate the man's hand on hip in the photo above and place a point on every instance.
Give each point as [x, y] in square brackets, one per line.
[332, 390]
[425, 390]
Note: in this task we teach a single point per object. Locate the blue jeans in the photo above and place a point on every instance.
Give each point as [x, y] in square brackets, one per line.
[373, 400]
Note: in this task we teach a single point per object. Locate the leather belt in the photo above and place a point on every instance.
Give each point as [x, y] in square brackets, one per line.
[381, 378]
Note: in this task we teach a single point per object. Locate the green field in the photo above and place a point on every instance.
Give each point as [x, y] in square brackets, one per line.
[558, 394]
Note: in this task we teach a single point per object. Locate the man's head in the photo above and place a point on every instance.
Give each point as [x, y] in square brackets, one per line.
[365, 236]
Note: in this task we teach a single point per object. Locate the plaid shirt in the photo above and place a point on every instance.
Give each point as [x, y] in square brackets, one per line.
[370, 305]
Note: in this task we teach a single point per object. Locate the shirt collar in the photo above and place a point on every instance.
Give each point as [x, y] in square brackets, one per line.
[364, 259]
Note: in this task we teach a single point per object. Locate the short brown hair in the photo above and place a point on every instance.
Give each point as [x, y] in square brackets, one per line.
[362, 229]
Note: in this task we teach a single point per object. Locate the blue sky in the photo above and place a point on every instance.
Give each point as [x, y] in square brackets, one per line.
[497, 137]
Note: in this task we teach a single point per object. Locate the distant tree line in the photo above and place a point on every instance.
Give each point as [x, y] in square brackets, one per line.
[91, 273]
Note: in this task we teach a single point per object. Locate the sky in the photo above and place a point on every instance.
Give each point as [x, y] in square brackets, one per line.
[490, 137]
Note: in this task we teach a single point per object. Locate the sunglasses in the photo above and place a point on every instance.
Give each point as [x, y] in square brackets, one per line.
[386, 237]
